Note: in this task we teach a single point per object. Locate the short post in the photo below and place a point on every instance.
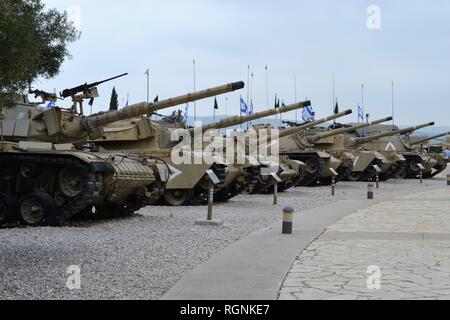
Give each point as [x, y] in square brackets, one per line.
[421, 176]
[333, 185]
[448, 179]
[209, 220]
[210, 201]
[370, 191]
[288, 220]
[377, 179]
[275, 194]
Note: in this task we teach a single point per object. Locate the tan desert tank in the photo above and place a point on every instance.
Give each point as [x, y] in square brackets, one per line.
[49, 174]
[292, 145]
[434, 151]
[190, 182]
[335, 142]
[394, 143]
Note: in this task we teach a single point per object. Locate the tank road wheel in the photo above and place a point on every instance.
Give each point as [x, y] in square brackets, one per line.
[37, 209]
[312, 166]
[9, 206]
[178, 197]
[355, 176]
[70, 182]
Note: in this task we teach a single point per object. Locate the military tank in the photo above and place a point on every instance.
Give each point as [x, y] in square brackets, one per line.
[395, 142]
[292, 145]
[334, 142]
[49, 174]
[190, 183]
[434, 151]
[253, 172]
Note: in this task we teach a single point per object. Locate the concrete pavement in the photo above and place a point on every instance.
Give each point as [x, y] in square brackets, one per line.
[256, 267]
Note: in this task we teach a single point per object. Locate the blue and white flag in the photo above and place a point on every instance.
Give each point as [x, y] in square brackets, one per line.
[250, 110]
[186, 113]
[244, 107]
[51, 104]
[360, 113]
[308, 114]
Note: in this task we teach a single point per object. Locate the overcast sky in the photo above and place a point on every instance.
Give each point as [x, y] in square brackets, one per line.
[305, 39]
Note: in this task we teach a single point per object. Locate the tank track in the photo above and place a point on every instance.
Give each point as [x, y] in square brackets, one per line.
[221, 194]
[253, 174]
[409, 173]
[345, 170]
[311, 178]
[48, 168]
[397, 170]
[370, 172]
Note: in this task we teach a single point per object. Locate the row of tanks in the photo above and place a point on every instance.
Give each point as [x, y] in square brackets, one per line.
[56, 163]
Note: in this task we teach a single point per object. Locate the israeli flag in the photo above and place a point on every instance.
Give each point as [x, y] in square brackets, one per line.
[51, 104]
[186, 113]
[308, 114]
[360, 113]
[250, 110]
[244, 107]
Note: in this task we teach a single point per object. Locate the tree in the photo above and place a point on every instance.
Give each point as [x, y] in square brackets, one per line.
[114, 102]
[33, 44]
[175, 117]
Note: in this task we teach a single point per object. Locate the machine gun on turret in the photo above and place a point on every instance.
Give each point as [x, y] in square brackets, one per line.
[88, 91]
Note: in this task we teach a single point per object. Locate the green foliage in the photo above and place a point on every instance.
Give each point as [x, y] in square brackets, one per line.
[33, 44]
[114, 102]
[175, 118]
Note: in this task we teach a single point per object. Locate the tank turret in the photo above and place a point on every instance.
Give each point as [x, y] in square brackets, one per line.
[427, 139]
[58, 125]
[393, 133]
[237, 120]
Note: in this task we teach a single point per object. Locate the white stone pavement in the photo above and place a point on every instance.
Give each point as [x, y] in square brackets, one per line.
[406, 239]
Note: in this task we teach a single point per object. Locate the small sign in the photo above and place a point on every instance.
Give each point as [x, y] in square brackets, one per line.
[276, 177]
[421, 167]
[213, 177]
[377, 168]
[334, 172]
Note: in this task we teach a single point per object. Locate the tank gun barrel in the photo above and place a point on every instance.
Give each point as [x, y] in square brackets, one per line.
[142, 108]
[233, 121]
[294, 130]
[393, 133]
[429, 138]
[348, 129]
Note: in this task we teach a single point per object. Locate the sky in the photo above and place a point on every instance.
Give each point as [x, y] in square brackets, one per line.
[302, 42]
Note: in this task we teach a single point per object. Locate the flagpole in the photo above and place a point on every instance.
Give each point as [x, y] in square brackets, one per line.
[393, 106]
[226, 107]
[362, 106]
[295, 93]
[334, 93]
[267, 85]
[195, 89]
[148, 86]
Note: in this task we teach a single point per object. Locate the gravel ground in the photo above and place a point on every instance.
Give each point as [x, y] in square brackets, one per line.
[141, 257]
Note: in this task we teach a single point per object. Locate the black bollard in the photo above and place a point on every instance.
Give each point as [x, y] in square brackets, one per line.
[288, 220]
[370, 191]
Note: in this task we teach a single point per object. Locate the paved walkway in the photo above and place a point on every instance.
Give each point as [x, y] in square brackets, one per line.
[395, 249]
[256, 267]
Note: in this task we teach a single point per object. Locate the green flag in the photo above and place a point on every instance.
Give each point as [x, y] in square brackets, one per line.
[147, 72]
